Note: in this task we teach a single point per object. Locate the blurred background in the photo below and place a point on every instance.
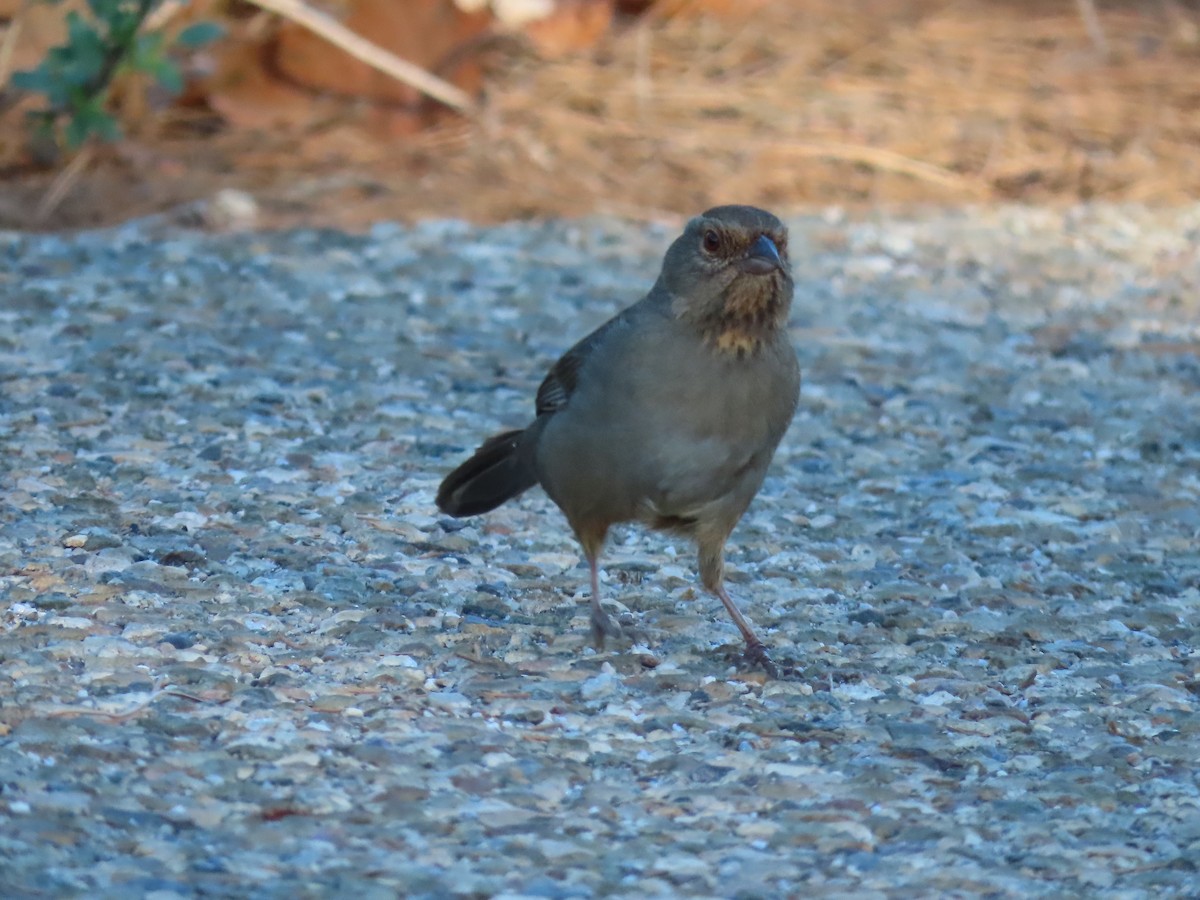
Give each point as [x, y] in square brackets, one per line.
[281, 112]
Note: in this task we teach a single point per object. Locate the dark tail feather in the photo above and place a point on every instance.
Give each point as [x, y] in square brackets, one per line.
[497, 471]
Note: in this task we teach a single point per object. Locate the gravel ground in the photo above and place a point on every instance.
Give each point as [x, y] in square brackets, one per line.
[242, 654]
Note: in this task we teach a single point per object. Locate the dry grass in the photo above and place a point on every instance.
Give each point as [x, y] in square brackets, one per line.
[832, 102]
[806, 102]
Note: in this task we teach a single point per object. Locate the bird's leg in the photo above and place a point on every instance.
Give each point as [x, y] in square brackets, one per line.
[712, 573]
[756, 650]
[602, 624]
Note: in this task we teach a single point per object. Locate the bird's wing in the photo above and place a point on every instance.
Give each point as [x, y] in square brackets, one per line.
[560, 382]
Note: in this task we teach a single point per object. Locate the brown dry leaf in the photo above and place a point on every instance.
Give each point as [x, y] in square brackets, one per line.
[725, 9]
[574, 25]
[433, 34]
[245, 93]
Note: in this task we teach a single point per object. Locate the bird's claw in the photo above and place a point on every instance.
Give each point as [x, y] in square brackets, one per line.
[624, 628]
[603, 627]
[757, 655]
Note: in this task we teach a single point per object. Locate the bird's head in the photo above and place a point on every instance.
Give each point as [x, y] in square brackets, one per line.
[728, 273]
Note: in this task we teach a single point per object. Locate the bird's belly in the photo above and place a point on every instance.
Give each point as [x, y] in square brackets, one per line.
[665, 441]
[618, 471]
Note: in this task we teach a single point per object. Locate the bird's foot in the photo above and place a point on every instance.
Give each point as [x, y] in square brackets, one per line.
[605, 627]
[756, 654]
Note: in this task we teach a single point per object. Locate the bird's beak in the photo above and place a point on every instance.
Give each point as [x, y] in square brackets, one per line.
[762, 258]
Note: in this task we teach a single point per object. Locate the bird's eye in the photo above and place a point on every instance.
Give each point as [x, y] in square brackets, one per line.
[711, 241]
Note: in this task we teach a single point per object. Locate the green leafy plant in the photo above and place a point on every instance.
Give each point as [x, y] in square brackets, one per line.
[76, 77]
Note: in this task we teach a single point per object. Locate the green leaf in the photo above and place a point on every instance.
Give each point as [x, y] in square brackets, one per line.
[38, 80]
[46, 79]
[107, 128]
[82, 58]
[76, 133]
[74, 77]
[199, 34]
[91, 119]
[167, 74]
[104, 9]
[79, 30]
[123, 28]
[147, 53]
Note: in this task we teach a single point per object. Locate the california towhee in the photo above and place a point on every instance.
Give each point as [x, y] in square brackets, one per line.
[669, 413]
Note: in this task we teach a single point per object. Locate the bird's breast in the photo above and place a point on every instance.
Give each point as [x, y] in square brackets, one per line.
[661, 421]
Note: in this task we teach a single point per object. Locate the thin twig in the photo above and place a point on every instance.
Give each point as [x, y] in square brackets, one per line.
[62, 184]
[10, 42]
[161, 16]
[1091, 21]
[373, 55]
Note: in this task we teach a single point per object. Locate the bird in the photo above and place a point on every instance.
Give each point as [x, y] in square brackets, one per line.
[668, 414]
